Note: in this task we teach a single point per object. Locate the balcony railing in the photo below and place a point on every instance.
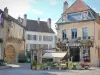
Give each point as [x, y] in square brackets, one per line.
[77, 42]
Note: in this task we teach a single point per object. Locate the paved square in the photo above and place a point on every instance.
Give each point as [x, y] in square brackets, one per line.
[24, 69]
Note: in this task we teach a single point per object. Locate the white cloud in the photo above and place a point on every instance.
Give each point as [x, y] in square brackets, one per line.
[16, 7]
[38, 12]
[53, 2]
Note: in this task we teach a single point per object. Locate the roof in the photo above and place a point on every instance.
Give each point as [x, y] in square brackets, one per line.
[54, 55]
[78, 5]
[33, 25]
[10, 18]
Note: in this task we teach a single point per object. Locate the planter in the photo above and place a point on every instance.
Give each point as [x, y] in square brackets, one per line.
[38, 67]
[33, 67]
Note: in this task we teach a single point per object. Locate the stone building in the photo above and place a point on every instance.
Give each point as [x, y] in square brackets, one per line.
[11, 32]
[78, 32]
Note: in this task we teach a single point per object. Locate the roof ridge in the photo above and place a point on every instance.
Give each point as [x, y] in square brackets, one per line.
[74, 5]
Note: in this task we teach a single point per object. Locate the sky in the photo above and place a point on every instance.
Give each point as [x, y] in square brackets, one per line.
[42, 9]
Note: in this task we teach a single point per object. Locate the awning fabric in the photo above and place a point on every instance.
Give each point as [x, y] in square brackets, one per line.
[54, 55]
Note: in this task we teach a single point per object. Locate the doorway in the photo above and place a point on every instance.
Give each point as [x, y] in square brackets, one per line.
[75, 54]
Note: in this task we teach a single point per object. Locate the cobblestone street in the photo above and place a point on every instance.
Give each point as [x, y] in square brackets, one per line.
[25, 70]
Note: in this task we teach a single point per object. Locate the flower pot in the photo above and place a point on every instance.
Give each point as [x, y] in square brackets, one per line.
[33, 67]
[38, 67]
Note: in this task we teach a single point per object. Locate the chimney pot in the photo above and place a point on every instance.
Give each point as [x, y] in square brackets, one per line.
[49, 22]
[38, 20]
[6, 11]
[65, 5]
[25, 20]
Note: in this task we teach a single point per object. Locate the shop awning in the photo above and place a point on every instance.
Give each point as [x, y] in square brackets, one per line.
[54, 55]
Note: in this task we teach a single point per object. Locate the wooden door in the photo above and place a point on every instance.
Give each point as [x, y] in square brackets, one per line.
[10, 54]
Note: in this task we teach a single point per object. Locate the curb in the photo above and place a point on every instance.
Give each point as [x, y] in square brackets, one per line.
[5, 67]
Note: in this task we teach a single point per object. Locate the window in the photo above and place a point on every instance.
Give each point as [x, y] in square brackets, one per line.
[64, 36]
[47, 38]
[74, 33]
[85, 15]
[29, 37]
[45, 47]
[34, 37]
[40, 38]
[50, 46]
[50, 38]
[75, 16]
[32, 46]
[27, 47]
[85, 33]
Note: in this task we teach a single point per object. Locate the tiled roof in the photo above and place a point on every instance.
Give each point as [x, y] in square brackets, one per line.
[78, 5]
[33, 25]
[10, 18]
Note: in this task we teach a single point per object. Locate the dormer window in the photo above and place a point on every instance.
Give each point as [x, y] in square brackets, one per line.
[64, 18]
[85, 15]
[75, 16]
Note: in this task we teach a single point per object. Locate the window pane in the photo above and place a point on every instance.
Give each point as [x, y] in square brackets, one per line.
[64, 35]
[29, 37]
[45, 47]
[47, 38]
[74, 33]
[75, 16]
[34, 37]
[50, 46]
[40, 38]
[27, 47]
[32, 46]
[85, 33]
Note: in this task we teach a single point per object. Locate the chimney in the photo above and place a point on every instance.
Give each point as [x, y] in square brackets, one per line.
[38, 20]
[49, 22]
[25, 20]
[19, 19]
[6, 11]
[65, 6]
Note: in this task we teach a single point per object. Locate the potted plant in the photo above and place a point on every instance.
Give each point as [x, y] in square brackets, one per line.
[38, 66]
[34, 65]
[49, 65]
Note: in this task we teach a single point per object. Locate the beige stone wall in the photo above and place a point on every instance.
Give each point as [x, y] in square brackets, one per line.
[94, 51]
[93, 28]
[78, 26]
[16, 31]
[12, 29]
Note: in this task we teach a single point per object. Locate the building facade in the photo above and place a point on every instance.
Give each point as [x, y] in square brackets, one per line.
[78, 31]
[39, 33]
[11, 33]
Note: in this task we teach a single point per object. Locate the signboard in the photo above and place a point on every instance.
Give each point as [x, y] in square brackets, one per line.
[72, 44]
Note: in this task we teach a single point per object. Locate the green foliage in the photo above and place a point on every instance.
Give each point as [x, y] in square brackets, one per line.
[34, 63]
[28, 54]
